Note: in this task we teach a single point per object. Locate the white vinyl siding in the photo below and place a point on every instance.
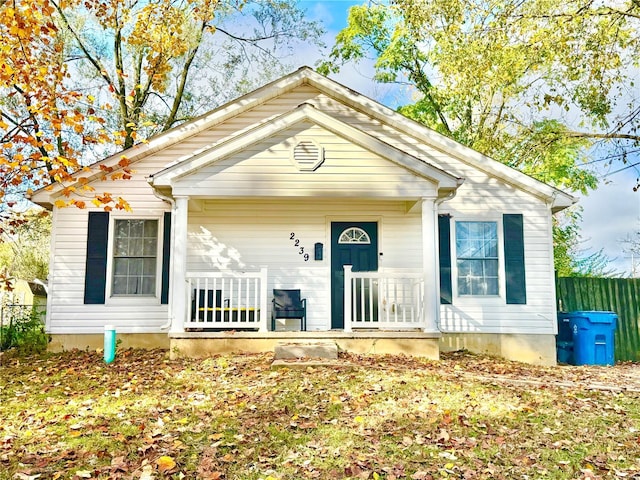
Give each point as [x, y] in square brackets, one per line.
[265, 169]
[66, 311]
[492, 314]
[480, 195]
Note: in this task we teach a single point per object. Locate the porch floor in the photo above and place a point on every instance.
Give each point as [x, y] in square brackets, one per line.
[203, 344]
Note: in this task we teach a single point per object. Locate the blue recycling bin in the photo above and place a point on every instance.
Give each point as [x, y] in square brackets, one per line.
[593, 337]
[564, 339]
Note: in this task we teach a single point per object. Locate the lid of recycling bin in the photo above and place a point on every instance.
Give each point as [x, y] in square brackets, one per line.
[595, 316]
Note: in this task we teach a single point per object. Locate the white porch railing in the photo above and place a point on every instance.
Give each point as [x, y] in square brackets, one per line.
[383, 300]
[227, 300]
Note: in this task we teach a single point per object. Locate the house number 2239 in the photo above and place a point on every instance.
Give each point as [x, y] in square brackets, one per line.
[300, 248]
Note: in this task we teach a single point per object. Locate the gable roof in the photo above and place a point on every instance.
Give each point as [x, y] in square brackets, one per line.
[229, 146]
[305, 75]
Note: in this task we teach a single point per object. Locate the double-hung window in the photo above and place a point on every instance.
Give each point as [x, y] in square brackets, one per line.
[477, 258]
[135, 257]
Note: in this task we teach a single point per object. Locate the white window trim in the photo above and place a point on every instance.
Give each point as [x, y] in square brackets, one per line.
[462, 299]
[110, 299]
[365, 234]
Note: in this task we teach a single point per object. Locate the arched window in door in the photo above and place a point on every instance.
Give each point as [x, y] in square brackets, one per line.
[354, 235]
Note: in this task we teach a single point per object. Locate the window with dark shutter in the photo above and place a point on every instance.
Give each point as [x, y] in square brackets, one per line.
[135, 257]
[477, 258]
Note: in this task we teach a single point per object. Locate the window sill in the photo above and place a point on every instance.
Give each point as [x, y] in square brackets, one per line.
[133, 300]
[479, 299]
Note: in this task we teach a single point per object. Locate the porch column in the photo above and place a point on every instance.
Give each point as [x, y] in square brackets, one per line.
[431, 302]
[179, 273]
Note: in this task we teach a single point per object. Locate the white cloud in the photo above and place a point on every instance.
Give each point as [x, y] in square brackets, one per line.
[610, 214]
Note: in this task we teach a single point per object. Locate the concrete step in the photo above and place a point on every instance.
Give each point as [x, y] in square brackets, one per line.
[324, 350]
[311, 364]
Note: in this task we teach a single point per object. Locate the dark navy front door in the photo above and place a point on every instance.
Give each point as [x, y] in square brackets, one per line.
[352, 243]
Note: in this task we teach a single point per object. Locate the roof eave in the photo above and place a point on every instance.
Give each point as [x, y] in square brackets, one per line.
[561, 200]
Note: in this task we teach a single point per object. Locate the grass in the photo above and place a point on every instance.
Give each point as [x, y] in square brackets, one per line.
[145, 416]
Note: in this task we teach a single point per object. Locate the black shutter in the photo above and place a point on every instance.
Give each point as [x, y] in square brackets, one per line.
[166, 254]
[444, 247]
[514, 259]
[95, 277]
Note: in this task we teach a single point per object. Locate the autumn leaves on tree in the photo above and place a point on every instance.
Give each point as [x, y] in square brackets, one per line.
[80, 81]
[47, 125]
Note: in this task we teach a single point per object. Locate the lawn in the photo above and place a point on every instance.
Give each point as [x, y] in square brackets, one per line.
[233, 417]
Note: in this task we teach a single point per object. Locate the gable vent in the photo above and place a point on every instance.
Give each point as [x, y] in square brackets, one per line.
[307, 155]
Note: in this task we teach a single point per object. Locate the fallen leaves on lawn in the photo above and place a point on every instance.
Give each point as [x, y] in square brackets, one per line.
[147, 417]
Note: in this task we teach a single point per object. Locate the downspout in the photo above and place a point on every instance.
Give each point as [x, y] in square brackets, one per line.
[554, 321]
[440, 201]
[436, 206]
[172, 202]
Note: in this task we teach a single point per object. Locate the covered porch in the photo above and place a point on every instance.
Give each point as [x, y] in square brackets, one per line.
[397, 294]
[385, 311]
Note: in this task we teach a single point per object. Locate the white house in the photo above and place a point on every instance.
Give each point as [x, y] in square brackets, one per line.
[399, 238]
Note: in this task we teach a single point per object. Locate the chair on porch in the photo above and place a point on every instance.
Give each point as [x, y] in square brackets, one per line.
[287, 304]
[206, 314]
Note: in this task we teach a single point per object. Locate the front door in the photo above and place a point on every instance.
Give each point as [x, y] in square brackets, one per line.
[352, 243]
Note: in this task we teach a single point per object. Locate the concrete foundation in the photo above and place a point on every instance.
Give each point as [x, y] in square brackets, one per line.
[65, 342]
[203, 344]
[533, 349]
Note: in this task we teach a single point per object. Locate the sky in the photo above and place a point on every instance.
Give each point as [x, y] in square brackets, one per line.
[609, 214]
[332, 13]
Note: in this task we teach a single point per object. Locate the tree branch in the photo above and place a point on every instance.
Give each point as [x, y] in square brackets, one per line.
[424, 85]
[36, 127]
[94, 61]
[122, 87]
[246, 39]
[602, 136]
[627, 13]
[177, 100]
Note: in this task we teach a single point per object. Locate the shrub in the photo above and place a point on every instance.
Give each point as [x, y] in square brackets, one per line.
[22, 328]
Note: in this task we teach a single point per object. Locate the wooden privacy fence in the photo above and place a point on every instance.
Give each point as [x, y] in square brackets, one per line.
[619, 295]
